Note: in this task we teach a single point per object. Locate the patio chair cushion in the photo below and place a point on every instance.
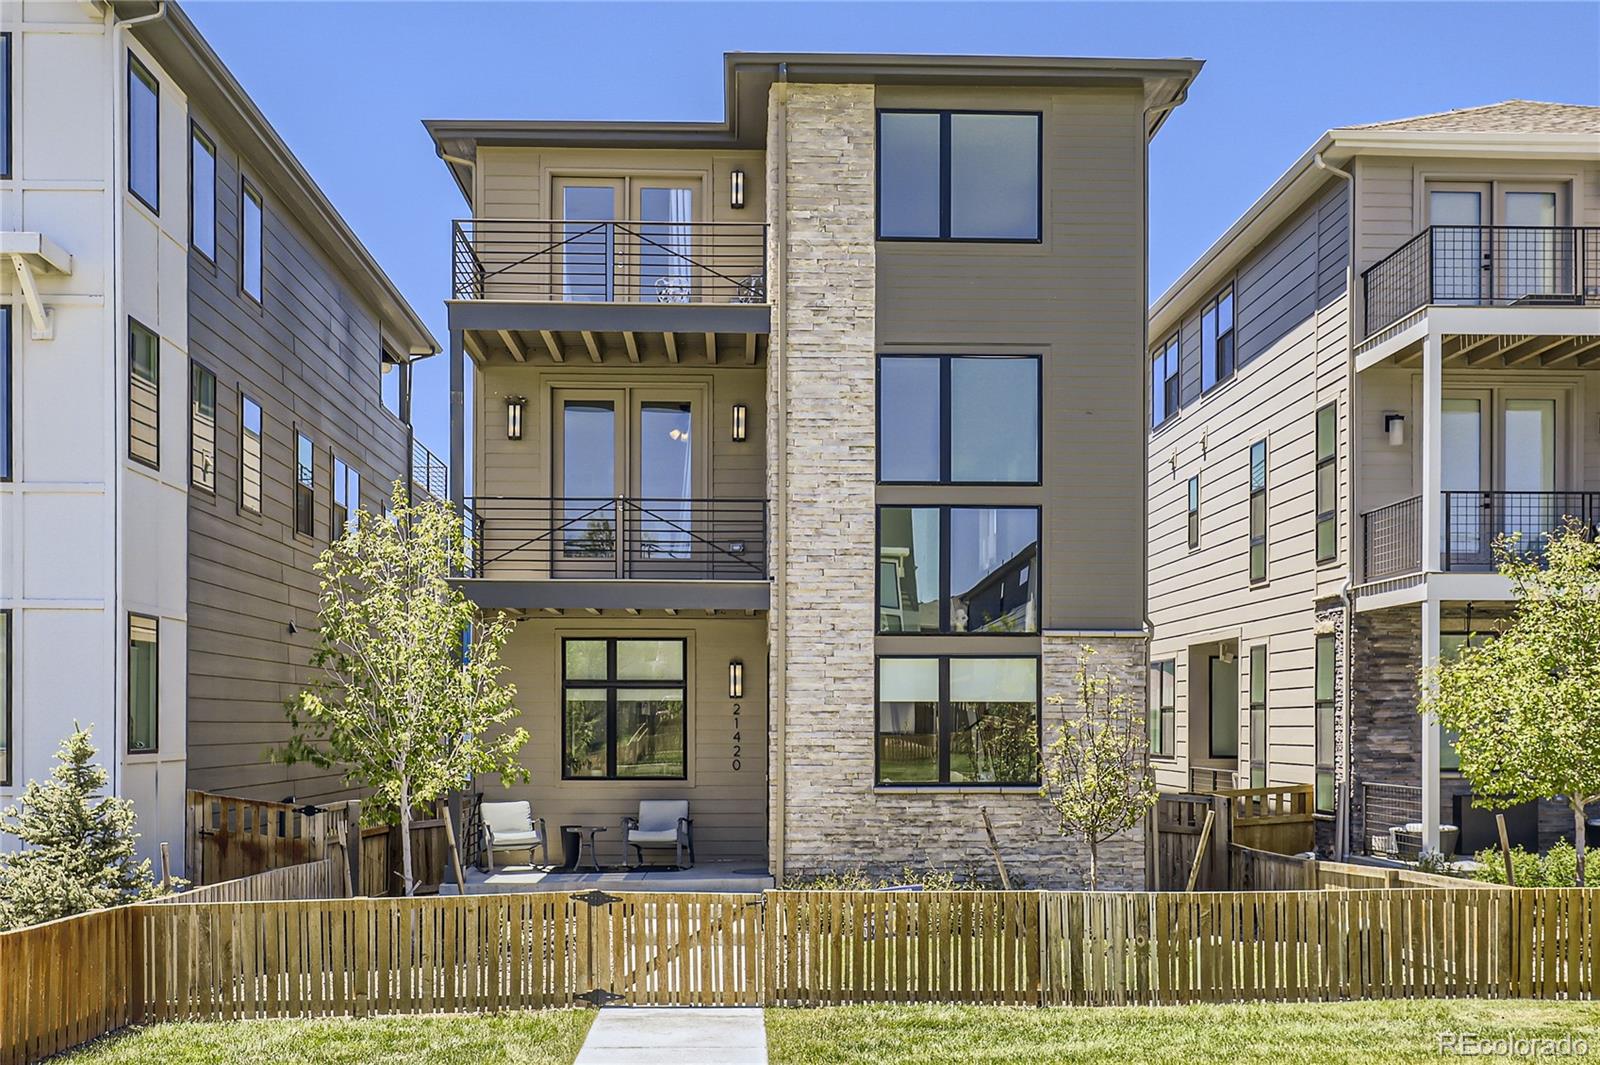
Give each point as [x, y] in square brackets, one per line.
[668, 836]
[662, 815]
[504, 819]
[514, 839]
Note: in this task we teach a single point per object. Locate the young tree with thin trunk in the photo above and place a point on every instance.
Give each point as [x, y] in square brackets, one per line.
[1096, 772]
[408, 701]
[1526, 704]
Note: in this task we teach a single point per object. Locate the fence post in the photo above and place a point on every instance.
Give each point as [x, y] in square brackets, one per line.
[352, 843]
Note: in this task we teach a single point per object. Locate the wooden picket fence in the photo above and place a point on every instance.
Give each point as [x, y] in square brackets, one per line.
[1257, 870]
[66, 982]
[230, 837]
[327, 878]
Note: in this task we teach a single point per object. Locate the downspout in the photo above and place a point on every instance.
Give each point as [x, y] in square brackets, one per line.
[119, 98]
[1342, 799]
[777, 444]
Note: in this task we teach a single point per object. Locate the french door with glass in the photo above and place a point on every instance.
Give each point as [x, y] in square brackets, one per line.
[629, 239]
[626, 477]
[1502, 464]
[1499, 242]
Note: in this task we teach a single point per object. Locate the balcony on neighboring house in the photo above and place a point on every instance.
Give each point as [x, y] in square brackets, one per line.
[430, 475]
[1472, 523]
[1483, 266]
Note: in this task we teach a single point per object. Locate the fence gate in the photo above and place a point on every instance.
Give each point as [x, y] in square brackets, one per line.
[230, 837]
[667, 949]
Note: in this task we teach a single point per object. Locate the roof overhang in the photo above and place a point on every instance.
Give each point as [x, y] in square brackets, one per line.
[748, 77]
[181, 50]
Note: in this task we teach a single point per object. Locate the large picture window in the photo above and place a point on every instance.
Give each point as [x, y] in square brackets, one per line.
[959, 175]
[624, 709]
[958, 570]
[144, 135]
[1327, 482]
[1163, 708]
[1258, 512]
[945, 720]
[144, 395]
[144, 684]
[958, 419]
[1326, 670]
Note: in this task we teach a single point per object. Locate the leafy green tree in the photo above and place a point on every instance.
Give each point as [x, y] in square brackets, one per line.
[1527, 704]
[408, 701]
[77, 852]
[1096, 772]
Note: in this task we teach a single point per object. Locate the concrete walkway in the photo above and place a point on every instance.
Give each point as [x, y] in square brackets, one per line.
[689, 1035]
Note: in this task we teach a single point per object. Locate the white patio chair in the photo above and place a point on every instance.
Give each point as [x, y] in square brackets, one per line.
[511, 826]
[661, 823]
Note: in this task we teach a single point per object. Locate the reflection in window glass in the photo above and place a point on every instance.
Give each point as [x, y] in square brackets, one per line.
[143, 683]
[585, 733]
[144, 121]
[250, 244]
[908, 551]
[249, 455]
[588, 478]
[650, 659]
[587, 252]
[305, 497]
[202, 427]
[144, 395]
[586, 659]
[994, 556]
[202, 194]
[650, 732]
[908, 175]
[994, 176]
[624, 709]
[993, 717]
[994, 419]
[1324, 684]
[908, 419]
[908, 720]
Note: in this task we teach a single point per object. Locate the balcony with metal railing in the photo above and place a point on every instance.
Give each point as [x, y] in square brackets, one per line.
[1483, 266]
[1472, 523]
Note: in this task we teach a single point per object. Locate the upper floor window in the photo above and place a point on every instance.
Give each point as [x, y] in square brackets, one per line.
[959, 175]
[144, 395]
[1164, 382]
[305, 484]
[202, 193]
[390, 382]
[1194, 512]
[950, 720]
[202, 427]
[1258, 511]
[5, 118]
[958, 569]
[1216, 340]
[144, 134]
[1327, 482]
[958, 419]
[250, 242]
[250, 439]
[623, 712]
[346, 498]
[1163, 708]
[5, 392]
[144, 684]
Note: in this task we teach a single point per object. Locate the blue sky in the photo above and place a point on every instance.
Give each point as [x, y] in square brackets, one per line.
[347, 85]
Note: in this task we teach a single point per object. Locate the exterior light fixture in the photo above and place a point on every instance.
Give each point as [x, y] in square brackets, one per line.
[741, 417]
[515, 405]
[736, 190]
[1394, 425]
[736, 679]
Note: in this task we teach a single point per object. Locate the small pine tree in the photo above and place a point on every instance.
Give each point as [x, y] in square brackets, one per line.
[77, 853]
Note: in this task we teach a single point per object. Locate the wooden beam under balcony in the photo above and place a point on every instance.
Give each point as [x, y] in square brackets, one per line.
[589, 342]
[514, 345]
[631, 342]
[1569, 348]
[552, 345]
[670, 339]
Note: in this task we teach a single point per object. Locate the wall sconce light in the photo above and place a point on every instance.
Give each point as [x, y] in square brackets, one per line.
[1394, 425]
[736, 190]
[741, 429]
[515, 405]
[736, 679]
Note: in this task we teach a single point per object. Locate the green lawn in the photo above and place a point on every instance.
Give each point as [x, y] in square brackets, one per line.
[1365, 1033]
[549, 1038]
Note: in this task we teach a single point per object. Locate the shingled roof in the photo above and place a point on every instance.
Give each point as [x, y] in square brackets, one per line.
[1511, 116]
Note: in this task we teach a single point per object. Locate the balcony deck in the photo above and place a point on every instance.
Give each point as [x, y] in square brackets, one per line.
[1473, 523]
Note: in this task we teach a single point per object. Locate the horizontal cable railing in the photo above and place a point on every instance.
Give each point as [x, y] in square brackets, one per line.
[563, 260]
[1483, 266]
[429, 472]
[618, 537]
[1475, 521]
[1391, 539]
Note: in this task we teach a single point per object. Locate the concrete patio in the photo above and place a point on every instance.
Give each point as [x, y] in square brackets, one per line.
[748, 875]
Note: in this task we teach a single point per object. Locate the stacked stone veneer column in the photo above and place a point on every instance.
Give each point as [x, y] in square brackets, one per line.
[833, 818]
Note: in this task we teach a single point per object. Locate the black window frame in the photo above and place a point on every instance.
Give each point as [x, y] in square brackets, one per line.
[246, 402]
[945, 721]
[1260, 753]
[6, 100]
[7, 624]
[610, 685]
[198, 370]
[1162, 699]
[197, 133]
[1168, 358]
[1258, 539]
[135, 69]
[944, 176]
[155, 710]
[1219, 354]
[134, 327]
[8, 455]
[945, 631]
[1324, 761]
[1327, 515]
[343, 505]
[249, 192]
[946, 444]
[305, 485]
[1192, 510]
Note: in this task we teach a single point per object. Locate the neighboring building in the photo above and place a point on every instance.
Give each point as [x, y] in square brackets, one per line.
[802, 444]
[194, 347]
[1392, 358]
